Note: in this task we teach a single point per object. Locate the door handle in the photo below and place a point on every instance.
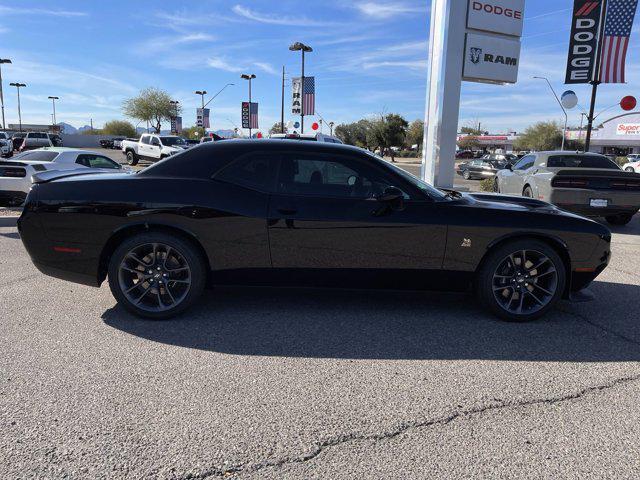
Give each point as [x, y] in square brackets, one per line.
[287, 211]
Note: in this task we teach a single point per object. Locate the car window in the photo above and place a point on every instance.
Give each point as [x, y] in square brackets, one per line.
[38, 155]
[581, 161]
[97, 161]
[251, 171]
[37, 135]
[525, 163]
[328, 175]
[155, 141]
[145, 139]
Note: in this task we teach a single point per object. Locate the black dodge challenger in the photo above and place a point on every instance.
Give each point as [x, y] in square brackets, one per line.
[267, 212]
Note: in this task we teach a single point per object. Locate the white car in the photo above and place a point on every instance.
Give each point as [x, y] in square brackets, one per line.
[6, 147]
[15, 174]
[152, 147]
[633, 165]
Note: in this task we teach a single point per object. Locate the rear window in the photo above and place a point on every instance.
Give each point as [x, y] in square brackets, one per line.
[38, 155]
[581, 161]
[38, 135]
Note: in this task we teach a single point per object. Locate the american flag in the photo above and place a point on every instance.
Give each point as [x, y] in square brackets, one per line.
[617, 29]
[253, 115]
[309, 95]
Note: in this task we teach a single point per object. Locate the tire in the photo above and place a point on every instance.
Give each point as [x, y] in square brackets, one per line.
[629, 169]
[132, 158]
[160, 296]
[513, 303]
[527, 192]
[466, 175]
[622, 219]
[496, 186]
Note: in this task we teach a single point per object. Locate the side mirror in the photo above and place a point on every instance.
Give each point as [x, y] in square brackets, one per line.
[392, 197]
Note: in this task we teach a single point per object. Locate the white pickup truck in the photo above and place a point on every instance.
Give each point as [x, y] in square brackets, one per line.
[152, 147]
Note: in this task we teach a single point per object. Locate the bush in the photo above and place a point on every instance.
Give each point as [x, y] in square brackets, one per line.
[487, 185]
[621, 161]
[407, 154]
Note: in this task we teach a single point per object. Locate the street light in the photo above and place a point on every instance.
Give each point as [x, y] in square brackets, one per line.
[2, 60]
[249, 77]
[566, 118]
[18, 86]
[219, 92]
[299, 46]
[53, 100]
[331, 124]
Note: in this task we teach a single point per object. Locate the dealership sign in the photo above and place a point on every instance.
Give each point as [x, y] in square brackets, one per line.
[491, 59]
[628, 129]
[498, 16]
[584, 41]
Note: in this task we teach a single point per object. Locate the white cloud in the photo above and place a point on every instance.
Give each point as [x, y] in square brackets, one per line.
[386, 10]
[278, 19]
[411, 64]
[223, 64]
[267, 67]
[168, 42]
[40, 11]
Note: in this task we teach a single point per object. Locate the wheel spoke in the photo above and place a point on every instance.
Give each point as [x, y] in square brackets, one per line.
[164, 264]
[540, 302]
[168, 290]
[147, 290]
[551, 270]
[132, 270]
[542, 289]
[521, 303]
[134, 257]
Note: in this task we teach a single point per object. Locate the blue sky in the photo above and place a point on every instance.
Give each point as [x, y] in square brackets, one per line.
[370, 57]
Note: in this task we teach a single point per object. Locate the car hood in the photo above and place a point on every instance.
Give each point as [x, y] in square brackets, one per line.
[512, 203]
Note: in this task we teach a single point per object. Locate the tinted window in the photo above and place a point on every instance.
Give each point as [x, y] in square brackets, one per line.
[145, 139]
[329, 176]
[39, 155]
[525, 163]
[171, 141]
[38, 135]
[96, 161]
[252, 171]
[155, 141]
[581, 161]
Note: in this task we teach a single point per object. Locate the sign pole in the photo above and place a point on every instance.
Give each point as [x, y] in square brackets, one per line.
[249, 107]
[444, 83]
[302, 96]
[596, 78]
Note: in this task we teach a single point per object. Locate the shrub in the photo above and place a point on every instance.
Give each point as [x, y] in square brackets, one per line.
[487, 185]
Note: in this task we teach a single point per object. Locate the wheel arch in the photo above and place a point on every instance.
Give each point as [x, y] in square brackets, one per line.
[118, 236]
[556, 243]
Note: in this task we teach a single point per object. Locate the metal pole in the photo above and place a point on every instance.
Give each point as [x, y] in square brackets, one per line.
[19, 112]
[54, 110]
[4, 125]
[282, 107]
[249, 106]
[596, 79]
[302, 96]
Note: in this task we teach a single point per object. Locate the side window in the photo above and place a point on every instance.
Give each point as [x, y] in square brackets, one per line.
[525, 163]
[145, 139]
[252, 171]
[155, 142]
[97, 161]
[329, 176]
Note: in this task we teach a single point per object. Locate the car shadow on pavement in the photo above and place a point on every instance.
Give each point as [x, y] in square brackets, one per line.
[388, 325]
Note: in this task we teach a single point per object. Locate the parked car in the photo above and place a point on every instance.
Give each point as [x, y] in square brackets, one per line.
[117, 142]
[152, 147]
[585, 183]
[15, 175]
[302, 213]
[465, 154]
[6, 148]
[17, 139]
[479, 169]
[34, 140]
[191, 143]
[312, 137]
[56, 140]
[212, 137]
[106, 143]
[633, 165]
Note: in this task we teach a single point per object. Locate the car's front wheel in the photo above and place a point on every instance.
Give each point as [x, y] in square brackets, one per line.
[629, 169]
[156, 275]
[132, 158]
[466, 175]
[521, 280]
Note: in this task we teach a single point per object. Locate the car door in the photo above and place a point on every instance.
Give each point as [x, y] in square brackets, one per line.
[512, 181]
[155, 148]
[143, 146]
[326, 215]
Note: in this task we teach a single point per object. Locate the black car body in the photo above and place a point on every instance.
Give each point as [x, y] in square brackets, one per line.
[480, 169]
[106, 143]
[296, 213]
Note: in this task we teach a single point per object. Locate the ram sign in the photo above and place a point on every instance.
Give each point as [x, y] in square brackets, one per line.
[491, 59]
[497, 16]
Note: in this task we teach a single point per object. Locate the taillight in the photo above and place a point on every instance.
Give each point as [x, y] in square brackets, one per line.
[569, 183]
[625, 184]
[13, 172]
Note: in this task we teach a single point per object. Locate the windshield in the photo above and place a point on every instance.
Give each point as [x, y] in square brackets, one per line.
[172, 141]
[415, 181]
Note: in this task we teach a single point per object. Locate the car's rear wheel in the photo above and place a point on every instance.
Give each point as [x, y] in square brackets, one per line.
[527, 192]
[132, 158]
[629, 169]
[622, 219]
[521, 280]
[156, 275]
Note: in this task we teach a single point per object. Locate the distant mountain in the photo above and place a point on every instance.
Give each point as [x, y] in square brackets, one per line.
[68, 129]
[86, 127]
[225, 133]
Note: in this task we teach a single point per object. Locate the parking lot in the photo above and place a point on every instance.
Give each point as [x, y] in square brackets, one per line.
[269, 383]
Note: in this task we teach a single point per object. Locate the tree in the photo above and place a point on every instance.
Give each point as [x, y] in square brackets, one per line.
[277, 128]
[119, 128]
[472, 127]
[94, 131]
[193, 132]
[354, 133]
[469, 142]
[386, 132]
[415, 134]
[152, 105]
[539, 137]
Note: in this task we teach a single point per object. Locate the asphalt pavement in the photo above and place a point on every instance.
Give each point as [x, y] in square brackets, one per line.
[316, 384]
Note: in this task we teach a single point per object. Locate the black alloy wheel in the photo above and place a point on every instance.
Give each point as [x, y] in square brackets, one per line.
[521, 281]
[156, 275]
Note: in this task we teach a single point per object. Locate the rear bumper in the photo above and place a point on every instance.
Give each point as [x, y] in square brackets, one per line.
[579, 201]
[10, 198]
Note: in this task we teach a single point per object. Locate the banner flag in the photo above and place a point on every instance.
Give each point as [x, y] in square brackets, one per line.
[296, 89]
[583, 45]
[202, 118]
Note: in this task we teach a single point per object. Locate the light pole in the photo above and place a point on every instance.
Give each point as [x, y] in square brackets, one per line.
[331, 124]
[2, 60]
[18, 86]
[219, 92]
[202, 93]
[53, 100]
[566, 118]
[299, 46]
[249, 77]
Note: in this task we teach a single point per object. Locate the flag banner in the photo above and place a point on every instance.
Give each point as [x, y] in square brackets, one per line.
[309, 96]
[617, 30]
[296, 89]
[176, 125]
[249, 115]
[202, 118]
[583, 45]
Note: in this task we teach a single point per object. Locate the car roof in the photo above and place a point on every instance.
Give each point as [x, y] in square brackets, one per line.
[277, 144]
[567, 152]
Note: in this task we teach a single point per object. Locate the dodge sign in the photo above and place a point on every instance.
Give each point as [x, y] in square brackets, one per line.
[497, 16]
[584, 40]
[491, 59]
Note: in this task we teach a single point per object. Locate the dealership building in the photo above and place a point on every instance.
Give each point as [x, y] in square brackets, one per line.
[617, 136]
